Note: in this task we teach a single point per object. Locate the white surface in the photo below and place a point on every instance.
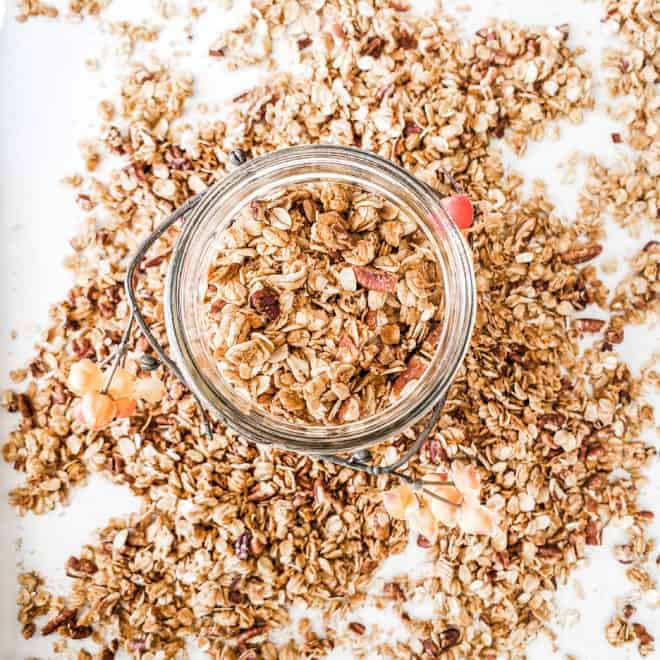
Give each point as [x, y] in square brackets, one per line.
[47, 106]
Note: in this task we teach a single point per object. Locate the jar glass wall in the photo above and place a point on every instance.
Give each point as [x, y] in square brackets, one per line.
[257, 179]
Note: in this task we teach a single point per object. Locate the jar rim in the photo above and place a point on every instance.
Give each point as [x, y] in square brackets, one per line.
[297, 165]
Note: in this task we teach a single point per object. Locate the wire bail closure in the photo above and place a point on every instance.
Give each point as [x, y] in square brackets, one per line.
[359, 461]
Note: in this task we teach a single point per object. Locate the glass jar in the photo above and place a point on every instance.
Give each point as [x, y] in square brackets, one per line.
[194, 250]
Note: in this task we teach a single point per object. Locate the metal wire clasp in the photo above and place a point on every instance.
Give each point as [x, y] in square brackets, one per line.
[361, 460]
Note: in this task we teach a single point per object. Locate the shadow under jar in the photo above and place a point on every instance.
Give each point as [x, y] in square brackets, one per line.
[261, 178]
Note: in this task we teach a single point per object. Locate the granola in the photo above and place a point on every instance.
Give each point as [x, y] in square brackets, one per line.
[318, 301]
[230, 535]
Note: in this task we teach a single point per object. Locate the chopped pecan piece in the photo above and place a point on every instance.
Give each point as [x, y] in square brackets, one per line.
[376, 280]
[28, 630]
[266, 301]
[550, 551]
[394, 590]
[357, 628]
[248, 634]
[642, 633]
[614, 336]
[374, 47]
[76, 567]
[349, 411]
[217, 306]
[588, 325]
[555, 420]
[413, 371]
[242, 545]
[411, 128]
[593, 532]
[449, 637]
[347, 351]
[79, 632]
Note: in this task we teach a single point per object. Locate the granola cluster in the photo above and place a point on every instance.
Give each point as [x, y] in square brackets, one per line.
[77, 9]
[631, 71]
[320, 302]
[231, 535]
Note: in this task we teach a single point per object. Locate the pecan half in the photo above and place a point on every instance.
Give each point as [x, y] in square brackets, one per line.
[581, 255]
[66, 615]
[436, 452]
[217, 306]
[266, 302]
[357, 628]
[376, 280]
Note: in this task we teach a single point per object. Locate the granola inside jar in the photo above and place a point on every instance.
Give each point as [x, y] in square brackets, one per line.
[323, 302]
[319, 299]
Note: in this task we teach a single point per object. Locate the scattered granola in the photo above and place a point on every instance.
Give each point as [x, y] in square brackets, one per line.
[230, 534]
[77, 8]
[317, 299]
[631, 72]
[32, 8]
